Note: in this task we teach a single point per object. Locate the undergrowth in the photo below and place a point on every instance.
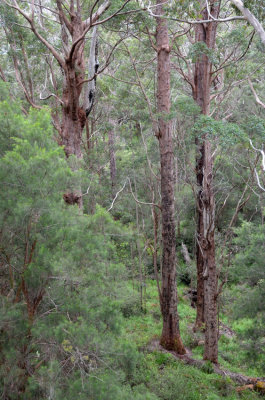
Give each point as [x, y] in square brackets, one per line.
[169, 379]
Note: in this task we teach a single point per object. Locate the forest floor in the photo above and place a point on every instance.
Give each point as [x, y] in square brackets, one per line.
[168, 377]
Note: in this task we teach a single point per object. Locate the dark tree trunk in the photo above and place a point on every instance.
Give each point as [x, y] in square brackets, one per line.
[205, 251]
[113, 171]
[170, 338]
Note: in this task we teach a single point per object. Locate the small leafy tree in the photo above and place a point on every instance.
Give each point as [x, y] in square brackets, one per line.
[249, 272]
[61, 280]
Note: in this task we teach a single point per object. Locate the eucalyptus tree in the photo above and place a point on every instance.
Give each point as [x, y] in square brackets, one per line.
[206, 79]
[206, 265]
[170, 338]
[75, 20]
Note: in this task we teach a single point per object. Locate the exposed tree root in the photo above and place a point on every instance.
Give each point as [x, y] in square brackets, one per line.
[239, 379]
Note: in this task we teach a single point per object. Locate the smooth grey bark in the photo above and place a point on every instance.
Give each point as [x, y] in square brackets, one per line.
[93, 65]
[251, 19]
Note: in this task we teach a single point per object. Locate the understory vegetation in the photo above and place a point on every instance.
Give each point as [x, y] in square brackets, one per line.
[132, 189]
[76, 321]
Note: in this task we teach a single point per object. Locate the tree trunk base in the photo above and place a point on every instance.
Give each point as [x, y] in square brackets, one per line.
[239, 379]
[173, 345]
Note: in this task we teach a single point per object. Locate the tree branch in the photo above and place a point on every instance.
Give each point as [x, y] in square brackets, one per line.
[251, 19]
[36, 33]
[203, 21]
[256, 96]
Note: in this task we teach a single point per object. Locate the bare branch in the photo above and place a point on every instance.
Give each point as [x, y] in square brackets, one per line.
[36, 33]
[93, 17]
[135, 199]
[142, 202]
[121, 80]
[261, 152]
[258, 181]
[251, 19]
[114, 14]
[117, 194]
[203, 21]
[107, 62]
[88, 26]
[49, 96]
[63, 17]
[255, 95]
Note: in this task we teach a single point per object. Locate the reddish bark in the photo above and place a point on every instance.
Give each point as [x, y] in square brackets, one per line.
[206, 268]
[170, 338]
[72, 64]
[73, 116]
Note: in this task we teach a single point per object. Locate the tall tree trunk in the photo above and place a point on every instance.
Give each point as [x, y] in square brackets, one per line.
[73, 114]
[139, 258]
[170, 338]
[205, 251]
[209, 272]
[113, 170]
[73, 122]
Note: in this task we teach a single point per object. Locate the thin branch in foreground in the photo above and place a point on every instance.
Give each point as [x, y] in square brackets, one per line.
[255, 94]
[204, 21]
[258, 181]
[142, 202]
[261, 152]
[117, 194]
[135, 199]
[49, 96]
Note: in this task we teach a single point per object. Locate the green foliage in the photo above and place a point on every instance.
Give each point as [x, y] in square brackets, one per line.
[255, 128]
[237, 36]
[87, 328]
[62, 281]
[200, 49]
[186, 273]
[256, 7]
[208, 367]
[227, 134]
[248, 271]
[249, 260]
[187, 106]
[9, 118]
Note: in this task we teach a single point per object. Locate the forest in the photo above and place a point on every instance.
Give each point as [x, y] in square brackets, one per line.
[132, 200]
